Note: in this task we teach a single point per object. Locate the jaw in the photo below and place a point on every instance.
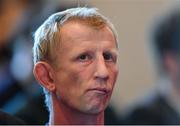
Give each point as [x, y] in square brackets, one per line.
[63, 114]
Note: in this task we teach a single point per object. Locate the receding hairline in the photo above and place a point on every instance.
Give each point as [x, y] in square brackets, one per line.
[90, 24]
[80, 23]
[90, 17]
[60, 37]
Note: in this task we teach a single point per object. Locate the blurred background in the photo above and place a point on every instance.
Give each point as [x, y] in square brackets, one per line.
[133, 20]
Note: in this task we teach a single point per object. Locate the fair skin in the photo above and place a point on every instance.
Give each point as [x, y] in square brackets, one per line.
[86, 69]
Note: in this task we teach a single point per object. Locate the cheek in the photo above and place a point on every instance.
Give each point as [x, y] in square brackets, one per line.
[68, 89]
[114, 70]
[69, 81]
[82, 74]
[73, 81]
[113, 76]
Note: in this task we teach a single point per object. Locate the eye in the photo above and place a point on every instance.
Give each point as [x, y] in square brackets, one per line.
[109, 57]
[84, 57]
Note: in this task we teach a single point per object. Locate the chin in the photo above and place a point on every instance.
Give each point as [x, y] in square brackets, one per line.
[95, 105]
[96, 109]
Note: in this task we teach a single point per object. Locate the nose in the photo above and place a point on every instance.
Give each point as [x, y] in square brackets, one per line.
[101, 70]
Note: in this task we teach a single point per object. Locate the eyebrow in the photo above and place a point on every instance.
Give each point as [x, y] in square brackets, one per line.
[114, 51]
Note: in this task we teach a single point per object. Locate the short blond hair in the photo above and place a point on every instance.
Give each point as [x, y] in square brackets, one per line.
[47, 37]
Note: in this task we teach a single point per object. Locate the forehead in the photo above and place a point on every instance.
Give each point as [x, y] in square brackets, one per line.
[73, 31]
[77, 38]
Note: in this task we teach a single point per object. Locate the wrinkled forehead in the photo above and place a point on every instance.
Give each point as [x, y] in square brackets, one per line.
[76, 37]
[89, 26]
[82, 31]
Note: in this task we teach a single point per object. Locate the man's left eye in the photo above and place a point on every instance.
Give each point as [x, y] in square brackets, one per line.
[108, 56]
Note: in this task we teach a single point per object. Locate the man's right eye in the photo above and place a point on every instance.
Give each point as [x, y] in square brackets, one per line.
[84, 57]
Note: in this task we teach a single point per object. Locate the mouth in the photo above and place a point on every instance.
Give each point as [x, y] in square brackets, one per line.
[103, 91]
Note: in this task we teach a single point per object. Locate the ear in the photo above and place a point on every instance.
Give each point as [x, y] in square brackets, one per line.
[43, 72]
[171, 64]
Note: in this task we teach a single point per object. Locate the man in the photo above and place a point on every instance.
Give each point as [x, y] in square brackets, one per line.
[75, 57]
[164, 106]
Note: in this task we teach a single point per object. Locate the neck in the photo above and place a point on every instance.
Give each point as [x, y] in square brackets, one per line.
[62, 114]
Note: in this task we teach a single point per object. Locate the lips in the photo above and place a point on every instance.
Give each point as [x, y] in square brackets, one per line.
[100, 90]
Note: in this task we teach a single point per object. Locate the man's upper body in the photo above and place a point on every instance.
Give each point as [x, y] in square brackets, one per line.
[75, 56]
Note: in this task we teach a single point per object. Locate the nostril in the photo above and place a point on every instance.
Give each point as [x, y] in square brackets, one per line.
[102, 80]
[103, 77]
[106, 78]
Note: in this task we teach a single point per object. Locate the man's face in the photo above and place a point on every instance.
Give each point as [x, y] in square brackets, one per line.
[87, 68]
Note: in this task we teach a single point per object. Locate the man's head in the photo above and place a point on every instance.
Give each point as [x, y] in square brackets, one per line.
[75, 54]
[167, 44]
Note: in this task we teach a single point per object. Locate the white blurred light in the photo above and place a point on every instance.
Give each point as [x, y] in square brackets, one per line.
[21, 64]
